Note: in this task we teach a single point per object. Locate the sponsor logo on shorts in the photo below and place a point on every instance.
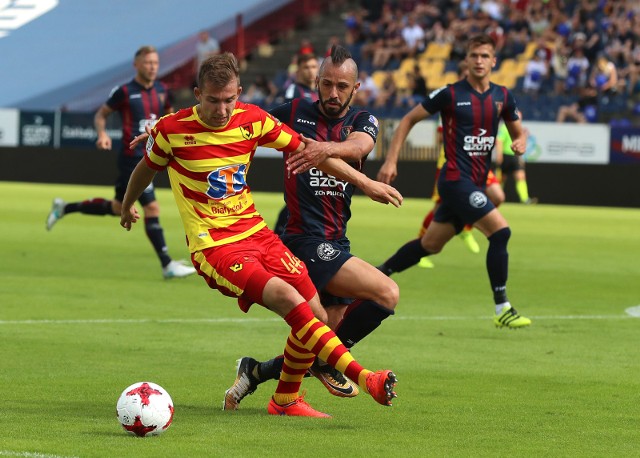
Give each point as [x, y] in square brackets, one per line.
[477, 199]
[236, 267]
[326, 252]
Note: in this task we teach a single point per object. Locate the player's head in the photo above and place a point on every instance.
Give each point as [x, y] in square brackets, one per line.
[218, 89]
[307, 72]
[146, 62]
[481, 56]
[337, 82]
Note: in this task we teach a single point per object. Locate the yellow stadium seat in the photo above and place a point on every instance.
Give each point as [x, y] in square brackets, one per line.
[431, 68]
[379, 77]
[508, 66]
[528, 51]
[400, 79]
[437, 51]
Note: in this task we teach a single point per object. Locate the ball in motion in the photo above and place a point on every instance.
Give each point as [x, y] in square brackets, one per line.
[145, 409]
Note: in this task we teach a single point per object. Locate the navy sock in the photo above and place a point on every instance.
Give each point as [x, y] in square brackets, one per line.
[498, 264]
[269, 370]
[97, 206]
[408, 255]
[156, 236]
[360, 319]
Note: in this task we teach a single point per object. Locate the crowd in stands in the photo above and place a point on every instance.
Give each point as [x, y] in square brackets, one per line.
[565, 60]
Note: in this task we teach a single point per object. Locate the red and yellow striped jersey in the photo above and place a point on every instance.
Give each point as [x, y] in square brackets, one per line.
[208, 168]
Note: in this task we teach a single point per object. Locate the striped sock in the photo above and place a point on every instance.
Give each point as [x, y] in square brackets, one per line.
[310, 334]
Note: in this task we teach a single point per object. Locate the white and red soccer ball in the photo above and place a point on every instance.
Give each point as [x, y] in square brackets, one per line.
[145, 409]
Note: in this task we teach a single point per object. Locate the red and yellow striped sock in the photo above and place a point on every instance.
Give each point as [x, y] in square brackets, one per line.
[296, 362]
[314, 336]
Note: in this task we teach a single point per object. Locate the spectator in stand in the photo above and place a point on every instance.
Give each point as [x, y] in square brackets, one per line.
[388, 92]
[604, 77]
[593, 42]
[496, 32]
[368, 92]
[582, 111]
[535, 74]
[560, 67]
[206, 47]
[306, 47]
[261, 92]
[577, 71]
[413, 36]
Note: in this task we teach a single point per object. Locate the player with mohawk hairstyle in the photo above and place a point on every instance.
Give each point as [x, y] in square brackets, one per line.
[319, 203]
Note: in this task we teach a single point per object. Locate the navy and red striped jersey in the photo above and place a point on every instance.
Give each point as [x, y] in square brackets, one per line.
[318, 203]
[470, 125]
[138, 107]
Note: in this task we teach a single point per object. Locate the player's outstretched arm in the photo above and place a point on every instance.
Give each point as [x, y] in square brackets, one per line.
[379, 192]
[140, 178]
[389, 169]
[356, 146]
[140, 138]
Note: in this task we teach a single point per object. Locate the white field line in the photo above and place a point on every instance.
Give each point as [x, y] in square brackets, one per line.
[268, 320]
[31, 454]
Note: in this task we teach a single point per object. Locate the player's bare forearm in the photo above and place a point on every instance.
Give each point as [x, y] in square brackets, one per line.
[140, 138]
[356, 146]
[379, 192]
[140, 178]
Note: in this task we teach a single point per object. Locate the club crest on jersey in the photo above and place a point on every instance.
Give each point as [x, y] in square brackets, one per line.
[247, 131]
[499, 107]
[326, 252]
[345, 131]
[477, 199]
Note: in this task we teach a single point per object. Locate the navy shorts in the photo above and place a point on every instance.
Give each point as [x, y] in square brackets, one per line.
[323, 259]
[147, 196]
[463, 202]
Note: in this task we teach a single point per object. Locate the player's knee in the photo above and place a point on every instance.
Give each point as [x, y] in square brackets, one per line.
[389, 294]
[500, 237]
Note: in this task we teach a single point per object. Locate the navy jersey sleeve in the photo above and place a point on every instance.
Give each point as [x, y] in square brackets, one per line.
[116, 98]
[437, 100]
[366, 122]
[510, 111]
[282, 112]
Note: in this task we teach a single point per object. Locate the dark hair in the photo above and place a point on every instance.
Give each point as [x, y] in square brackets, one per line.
[339, 54]
[304, 58]
[219, 70]
[480, 40]
[144, 50]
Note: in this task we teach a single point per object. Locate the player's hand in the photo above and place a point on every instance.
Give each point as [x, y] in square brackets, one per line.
[388, 172]
[129, 217]
[383, 193]
[103, 142]
[140, 138]
[313, 154]
[519, 145]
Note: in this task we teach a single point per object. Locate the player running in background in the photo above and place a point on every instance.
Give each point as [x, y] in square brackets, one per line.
[470, 110]
[207, 150]
[319, 203]
[494, 193]
[140, 102]
[305, 86]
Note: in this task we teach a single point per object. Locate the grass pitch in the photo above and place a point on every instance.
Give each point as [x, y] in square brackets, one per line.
[84, 312]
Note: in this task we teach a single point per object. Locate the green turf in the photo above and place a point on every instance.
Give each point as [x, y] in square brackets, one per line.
[84, 312]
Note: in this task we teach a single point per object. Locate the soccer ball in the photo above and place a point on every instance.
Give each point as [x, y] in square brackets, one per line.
[145, 409]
